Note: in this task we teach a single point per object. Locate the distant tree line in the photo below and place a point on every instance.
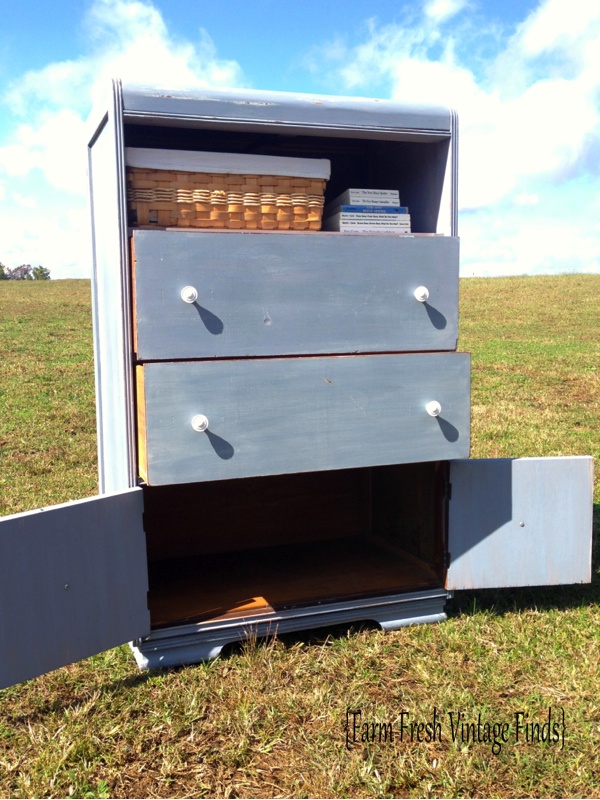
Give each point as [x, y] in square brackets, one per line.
[25, 272]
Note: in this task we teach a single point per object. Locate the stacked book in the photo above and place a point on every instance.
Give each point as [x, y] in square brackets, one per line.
[366, 211]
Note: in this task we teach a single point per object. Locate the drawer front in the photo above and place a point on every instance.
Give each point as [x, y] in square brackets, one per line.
[272, 416]
[286, 294]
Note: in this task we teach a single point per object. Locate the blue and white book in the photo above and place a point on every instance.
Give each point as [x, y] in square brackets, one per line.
[385, 219]
[331, 209]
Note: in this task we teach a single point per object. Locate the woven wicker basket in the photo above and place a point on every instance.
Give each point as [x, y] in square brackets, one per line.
[172, 198]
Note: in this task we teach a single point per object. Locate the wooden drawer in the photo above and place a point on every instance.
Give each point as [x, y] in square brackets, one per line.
[283, 415]
[287, 294]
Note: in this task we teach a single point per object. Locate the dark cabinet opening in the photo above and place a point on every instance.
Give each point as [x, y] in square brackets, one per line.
[226, 549]
[414, 164]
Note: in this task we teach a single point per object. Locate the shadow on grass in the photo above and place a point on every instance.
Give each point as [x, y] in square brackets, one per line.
[528, 598]
[70, 694]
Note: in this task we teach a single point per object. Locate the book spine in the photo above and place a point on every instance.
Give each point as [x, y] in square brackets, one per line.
[371, 197]
[368, 229]
[341, 209]
[386, 219]
[376, 226]
[361, 199]
[356, 225]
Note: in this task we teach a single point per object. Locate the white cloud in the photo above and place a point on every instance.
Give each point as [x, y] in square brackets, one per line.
[442, 10]
[18, 158]
[54, 145]
[521, 244]
[527, 102]
[24, 200]
[54, 231]
[560, 25]
[62, 84]
[527, 199]
[384, 52]
[540, 129]
[132, 42]
[529, 117]
[125, 39]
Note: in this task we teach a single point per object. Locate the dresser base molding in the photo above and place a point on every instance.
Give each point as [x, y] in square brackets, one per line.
[191, 644]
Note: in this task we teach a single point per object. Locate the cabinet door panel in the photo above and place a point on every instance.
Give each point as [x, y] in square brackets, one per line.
[270, 416]
[73, 582]
[520, 522]
[285, 294]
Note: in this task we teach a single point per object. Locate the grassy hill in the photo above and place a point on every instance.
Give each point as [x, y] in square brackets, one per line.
[270, 719]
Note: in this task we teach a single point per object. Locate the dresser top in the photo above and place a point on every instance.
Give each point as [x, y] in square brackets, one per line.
[158, 105]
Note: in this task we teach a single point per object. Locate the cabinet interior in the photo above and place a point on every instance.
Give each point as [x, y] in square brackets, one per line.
[223, 549]
[415, 164]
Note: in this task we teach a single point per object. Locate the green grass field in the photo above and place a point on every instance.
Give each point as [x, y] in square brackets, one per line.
[270, 719]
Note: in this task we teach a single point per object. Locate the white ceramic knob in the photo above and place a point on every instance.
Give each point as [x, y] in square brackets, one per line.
[200, 423]
[421, 294]
[189, 294]
[433, 408]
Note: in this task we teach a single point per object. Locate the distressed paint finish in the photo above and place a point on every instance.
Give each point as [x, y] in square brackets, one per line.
[111, 306]
[520, 522]
[272, 416]
[188, 644]
[286, 294]
[73, 579]
[325, 117]
[73, 582]
[282, 109]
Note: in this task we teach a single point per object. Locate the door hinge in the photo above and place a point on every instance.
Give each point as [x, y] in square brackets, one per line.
[447, 559]
[448, 490]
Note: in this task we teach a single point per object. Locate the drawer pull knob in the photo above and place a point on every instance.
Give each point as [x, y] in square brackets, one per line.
[433, 408]
[421, 294]
[200, 423]
[189, 294]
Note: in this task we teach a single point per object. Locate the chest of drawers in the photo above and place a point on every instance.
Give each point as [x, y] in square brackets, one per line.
[302, 352]
[283, 418]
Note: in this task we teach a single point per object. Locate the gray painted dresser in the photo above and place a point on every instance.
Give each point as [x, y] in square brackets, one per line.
[287, 447]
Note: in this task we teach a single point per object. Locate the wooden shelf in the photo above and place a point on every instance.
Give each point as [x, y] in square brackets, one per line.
[231, 585]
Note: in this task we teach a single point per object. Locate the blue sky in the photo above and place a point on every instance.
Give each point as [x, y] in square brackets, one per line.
[524, 77]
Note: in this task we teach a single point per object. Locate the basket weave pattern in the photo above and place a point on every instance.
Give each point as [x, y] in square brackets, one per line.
[205, 200]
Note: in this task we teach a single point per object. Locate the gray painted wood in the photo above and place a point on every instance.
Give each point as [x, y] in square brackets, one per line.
[189, 644]
[73, 582]
[269, 416]
[280, 294]
[520, 522]
[111, 307]
[281, 109]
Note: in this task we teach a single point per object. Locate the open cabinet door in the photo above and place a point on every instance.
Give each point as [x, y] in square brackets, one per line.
[520, 522]
[73, 582]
